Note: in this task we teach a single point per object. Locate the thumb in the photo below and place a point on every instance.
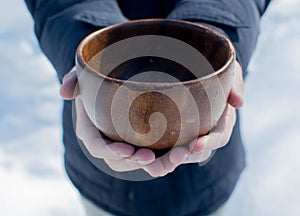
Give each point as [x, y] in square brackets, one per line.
[236, 93]
[68, 88]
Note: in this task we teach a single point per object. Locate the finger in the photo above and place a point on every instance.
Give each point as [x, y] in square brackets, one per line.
[156, 168]
[122, 149]
[168, 165]
[163, 165]
[142, 156]
[140, 159]
[220, 135]
[178, 155]
[236, 93]
[129, 164]
[122, 165]
[68, 88]
[198, 144]
[94, 142]
[198, 157]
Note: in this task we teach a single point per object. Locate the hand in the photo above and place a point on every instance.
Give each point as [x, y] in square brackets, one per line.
[200, 149]
[122, 157]
[117, 155]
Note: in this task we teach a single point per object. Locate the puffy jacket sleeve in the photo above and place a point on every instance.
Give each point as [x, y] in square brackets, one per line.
[237, 19]
[60, 25]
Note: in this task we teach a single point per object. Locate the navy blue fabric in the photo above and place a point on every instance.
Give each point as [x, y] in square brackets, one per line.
[190, 190]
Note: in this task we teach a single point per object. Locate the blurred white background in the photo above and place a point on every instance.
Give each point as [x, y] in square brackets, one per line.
[32, 177]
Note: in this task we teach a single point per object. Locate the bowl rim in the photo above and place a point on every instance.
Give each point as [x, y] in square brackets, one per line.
[79, 56]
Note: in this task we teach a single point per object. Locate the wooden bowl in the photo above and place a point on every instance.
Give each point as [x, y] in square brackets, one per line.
[155, 83]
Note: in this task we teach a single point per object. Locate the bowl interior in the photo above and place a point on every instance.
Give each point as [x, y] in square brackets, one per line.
[213, 46]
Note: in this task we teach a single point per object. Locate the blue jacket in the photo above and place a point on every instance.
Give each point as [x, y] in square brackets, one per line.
[190, 190]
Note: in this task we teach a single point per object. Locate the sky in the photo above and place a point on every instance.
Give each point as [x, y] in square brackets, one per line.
[32, 177]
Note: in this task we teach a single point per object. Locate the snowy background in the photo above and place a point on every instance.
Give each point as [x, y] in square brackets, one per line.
[32, 177]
